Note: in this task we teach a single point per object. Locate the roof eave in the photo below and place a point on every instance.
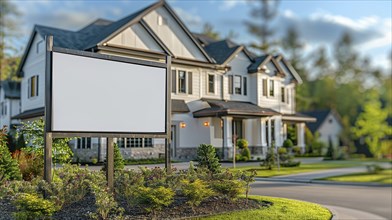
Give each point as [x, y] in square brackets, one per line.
[19, 71]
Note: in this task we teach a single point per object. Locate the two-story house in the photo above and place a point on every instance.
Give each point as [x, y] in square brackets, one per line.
[219, 89]
[9, 103]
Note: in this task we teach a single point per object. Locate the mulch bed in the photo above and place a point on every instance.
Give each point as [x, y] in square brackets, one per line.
[177, 210]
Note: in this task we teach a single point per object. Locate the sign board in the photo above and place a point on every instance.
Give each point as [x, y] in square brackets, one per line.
[95, 93]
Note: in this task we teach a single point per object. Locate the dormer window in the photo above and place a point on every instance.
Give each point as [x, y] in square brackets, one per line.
[237, 85]
[211, 83]
[283, 90]
[271, 88]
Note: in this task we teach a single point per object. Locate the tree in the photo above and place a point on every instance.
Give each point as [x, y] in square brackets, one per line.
[372, 124]
[9, 168]
[259, 26]
[33, 133]
[208, 30]
[8, 28]
[206, 158]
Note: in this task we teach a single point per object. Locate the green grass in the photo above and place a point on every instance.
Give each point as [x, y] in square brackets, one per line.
[384, 177]
[281, 209]
[145, 161]
[303, 168]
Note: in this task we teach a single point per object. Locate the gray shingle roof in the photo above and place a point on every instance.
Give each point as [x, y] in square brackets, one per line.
[222, 108]
[221, 50]
[253, 68]
[11, 89]
[320, 115]
[204, 39]
[179, 106]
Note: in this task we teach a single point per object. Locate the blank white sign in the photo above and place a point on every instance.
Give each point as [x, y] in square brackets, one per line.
[96, 95]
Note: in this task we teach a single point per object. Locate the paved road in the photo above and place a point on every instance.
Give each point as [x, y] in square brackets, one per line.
[372, 202]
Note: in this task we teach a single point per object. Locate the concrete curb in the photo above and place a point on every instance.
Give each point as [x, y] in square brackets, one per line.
[333, 212]
[325, 182]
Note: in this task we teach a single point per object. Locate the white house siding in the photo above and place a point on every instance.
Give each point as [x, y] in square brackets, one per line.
[136, 37]
[34, 65]
[330, 128]
[239, 66]
[174, 37]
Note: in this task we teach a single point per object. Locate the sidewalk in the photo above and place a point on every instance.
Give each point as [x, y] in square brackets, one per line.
[341, 213]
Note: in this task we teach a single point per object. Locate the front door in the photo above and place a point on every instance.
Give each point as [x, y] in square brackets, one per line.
[173, 146]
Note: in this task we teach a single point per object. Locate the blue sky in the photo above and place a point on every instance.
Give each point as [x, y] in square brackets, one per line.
[320, 23]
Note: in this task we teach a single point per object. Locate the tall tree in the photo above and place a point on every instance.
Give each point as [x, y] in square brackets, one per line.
[208, 30]
[372, 125]
[8, 14]
[263, 12]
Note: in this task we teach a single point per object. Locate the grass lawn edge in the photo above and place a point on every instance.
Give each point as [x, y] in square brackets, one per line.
[382, 178]
[282, 208]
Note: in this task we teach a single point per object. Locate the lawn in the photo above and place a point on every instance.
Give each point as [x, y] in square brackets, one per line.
[281, 209]
[384, 177]
[303, 168]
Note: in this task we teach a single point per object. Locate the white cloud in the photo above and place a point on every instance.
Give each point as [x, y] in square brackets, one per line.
[191, 19]
[227, 5]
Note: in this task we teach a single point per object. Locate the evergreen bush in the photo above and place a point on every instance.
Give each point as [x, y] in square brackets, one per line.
[206, 157]
[9, 169]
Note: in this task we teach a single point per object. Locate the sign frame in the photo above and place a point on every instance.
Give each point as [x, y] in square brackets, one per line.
[50, 134]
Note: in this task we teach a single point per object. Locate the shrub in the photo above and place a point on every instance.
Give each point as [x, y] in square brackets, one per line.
[152, 199]
[288, 143]
[242, 143]
[291, 163]
[297, 150]
[195, 191]
[11, 188]
[248, 178]
[31, 164]
[34, 135]
[206, 158]
[30, 206]
[282, 150]
[125, 181]
[270, 159]
[154, 177]
[9, 169]
[228, 188]
[245, 154]
[117, 158]
[105, 203]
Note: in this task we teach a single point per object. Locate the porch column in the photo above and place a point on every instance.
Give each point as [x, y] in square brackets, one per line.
[227, 136]
[301, 136]
[263, 135]
[278, 131]
[269, 133]
[284, 131]
[248, 131]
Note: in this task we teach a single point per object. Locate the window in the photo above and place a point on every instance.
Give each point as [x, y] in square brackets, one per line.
[211, 83]
[283, 94]
[184, 82]
[288, 96]
[120, 142]
[265, 89]
[83, 143]
[33, 86]
[245, 86]
[181, 81]
[148, 142]
[141, 142]
[237, 85]
[271, 88]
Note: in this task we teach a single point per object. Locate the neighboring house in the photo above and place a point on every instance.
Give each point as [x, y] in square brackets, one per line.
[328, 126]
[9, 103]
[219, 89]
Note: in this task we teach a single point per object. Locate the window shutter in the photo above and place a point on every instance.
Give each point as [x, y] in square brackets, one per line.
[230, 84]
[190, 82]
[264, 87]
[245, 86]
[36, 87]
[174, 81]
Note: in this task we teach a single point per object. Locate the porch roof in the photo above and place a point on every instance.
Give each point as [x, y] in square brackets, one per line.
[298, 117]
[220, 108]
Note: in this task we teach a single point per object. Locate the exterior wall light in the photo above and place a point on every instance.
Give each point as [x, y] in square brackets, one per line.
[206, 123]
[182, 125]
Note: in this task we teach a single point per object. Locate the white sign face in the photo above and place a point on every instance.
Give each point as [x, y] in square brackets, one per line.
[97, 95]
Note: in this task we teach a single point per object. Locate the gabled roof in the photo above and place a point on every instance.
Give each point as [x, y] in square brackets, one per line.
[289, 67]
[11, 89]
[321, 116]
[261, 61]
[224, 50]
[203, 39]
[220, 108]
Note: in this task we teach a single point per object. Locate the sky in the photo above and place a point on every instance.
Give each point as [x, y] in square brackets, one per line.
[320, 23]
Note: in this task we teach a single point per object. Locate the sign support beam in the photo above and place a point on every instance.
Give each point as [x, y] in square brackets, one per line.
[168, 115]
[110, 162]
[48, 140]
